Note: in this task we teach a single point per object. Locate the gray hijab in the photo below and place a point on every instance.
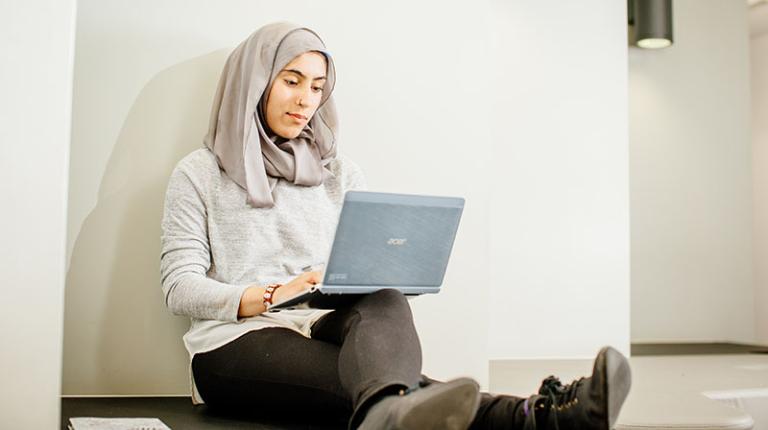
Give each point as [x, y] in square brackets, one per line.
[246, 149]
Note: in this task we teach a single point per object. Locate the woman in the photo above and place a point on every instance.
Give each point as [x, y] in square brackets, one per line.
[247, 216]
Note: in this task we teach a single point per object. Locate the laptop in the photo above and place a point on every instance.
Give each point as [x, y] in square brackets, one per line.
[384, 240]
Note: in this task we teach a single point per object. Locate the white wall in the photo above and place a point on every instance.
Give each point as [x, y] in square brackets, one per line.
[559, 209]
[145, 75]
[416, 98]
[36, 42]
[691, 183]
[759, 82]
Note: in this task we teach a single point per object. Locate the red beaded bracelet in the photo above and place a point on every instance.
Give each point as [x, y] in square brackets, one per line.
[269, 294]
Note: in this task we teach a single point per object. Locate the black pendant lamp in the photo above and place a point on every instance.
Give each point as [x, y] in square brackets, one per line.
[652, 21]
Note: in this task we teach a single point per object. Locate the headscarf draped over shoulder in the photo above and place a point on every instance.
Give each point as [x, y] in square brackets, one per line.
[250, 154]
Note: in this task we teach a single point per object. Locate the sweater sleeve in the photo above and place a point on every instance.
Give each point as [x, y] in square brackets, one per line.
[186, 257]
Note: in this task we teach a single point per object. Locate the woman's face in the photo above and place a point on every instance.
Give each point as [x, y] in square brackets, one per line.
[295, 94]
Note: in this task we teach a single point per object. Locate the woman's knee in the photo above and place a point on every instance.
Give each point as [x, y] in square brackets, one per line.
[387, 301]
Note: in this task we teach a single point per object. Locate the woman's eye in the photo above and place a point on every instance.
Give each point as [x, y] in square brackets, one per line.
[317, 89]
[290, 82]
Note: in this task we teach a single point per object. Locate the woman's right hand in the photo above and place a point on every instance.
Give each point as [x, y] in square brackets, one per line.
[252, 301]
[297, 285]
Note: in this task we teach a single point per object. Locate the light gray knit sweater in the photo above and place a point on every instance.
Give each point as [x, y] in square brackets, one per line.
[214, 245]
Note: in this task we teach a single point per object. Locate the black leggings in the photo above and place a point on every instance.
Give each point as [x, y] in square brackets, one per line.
[355, 355]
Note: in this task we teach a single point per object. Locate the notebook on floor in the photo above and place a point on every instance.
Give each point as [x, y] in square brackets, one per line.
[385, 240]
[94, 423]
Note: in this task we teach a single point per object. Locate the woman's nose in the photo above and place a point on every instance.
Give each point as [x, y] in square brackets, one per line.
[302, 97]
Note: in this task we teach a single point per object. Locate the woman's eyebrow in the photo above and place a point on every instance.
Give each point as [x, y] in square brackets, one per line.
[302, 74]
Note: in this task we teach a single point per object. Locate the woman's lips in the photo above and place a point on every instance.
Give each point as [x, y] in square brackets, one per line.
[297, 116]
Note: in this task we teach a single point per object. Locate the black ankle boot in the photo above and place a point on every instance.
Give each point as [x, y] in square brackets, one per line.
[588, 403]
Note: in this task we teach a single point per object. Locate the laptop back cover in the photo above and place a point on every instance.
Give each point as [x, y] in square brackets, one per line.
[395, 240]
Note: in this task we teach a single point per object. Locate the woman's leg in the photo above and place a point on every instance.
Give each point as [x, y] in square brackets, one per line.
[366, 333]
[495, 412]
[587, 403]
[380, 353]
[357, 356]
[272, 370]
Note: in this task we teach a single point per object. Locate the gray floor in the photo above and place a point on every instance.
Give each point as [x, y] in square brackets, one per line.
[179, 413]
[695, 386]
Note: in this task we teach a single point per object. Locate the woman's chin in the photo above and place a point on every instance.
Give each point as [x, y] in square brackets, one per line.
[289, 132]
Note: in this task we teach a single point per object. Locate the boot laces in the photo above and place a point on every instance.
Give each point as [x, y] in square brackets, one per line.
[553, 397]
[560, 395]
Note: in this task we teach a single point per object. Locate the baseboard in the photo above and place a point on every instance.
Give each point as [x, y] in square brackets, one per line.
[695, 348]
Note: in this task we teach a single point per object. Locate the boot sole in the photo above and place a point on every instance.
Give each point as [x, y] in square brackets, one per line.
[448, 406]
[618, 380]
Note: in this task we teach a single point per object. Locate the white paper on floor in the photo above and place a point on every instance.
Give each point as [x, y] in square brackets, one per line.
[91, 423]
